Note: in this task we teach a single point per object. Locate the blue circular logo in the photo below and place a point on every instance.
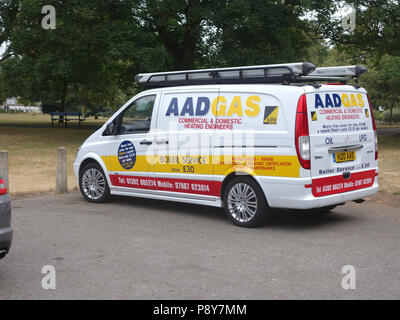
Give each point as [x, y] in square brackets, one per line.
[127, 155]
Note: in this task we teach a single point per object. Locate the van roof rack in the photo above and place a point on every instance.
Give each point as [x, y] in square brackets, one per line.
[275, 73]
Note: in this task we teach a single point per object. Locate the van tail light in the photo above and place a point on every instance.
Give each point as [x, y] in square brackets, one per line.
[374, 126]
[302, 135]
[3, 187]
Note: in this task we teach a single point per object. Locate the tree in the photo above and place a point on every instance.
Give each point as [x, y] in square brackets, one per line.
[99, 45]
[216, 33]
[374, 41]
[376, 29]
[261, 32]
[8, 13]
[383, 83]
[93, 50]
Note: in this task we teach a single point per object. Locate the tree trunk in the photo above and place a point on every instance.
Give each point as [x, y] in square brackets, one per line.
[189, 49]
[391, 113]
[62, 105]
[182, 49]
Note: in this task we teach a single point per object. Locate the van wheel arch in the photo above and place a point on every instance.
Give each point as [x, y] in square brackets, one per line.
[234, 175]
[86, 162]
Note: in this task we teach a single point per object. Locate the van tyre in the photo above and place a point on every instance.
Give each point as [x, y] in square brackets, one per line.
[93, 183]
[245, 203]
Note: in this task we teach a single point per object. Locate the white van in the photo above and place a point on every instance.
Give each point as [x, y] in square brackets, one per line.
[246, 139]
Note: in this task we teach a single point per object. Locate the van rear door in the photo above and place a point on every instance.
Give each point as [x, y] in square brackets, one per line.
[342, 140]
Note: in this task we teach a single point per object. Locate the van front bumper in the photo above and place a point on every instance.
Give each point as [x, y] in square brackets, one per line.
[292, 194]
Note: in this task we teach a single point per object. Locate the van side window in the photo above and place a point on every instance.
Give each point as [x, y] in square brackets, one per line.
[136, 118]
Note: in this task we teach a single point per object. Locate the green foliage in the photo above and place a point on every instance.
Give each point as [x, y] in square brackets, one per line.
[48, 107]
[318, 52]
[337, 57]
[216, 33]
[376, 28]
[395, 116]
[377, 114]
[90, 59]
[259, 32]
[91, 56]
[383, 83]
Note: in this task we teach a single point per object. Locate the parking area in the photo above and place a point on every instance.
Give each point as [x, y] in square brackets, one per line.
[145, 249]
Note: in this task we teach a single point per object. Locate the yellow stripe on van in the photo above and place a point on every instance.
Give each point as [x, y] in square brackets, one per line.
[275, 166]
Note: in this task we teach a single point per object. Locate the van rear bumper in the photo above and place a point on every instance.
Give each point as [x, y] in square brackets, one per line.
[292, 194]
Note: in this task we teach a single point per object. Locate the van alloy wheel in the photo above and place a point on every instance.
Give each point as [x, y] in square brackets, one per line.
[93, 184]
[242, 202]
[245, 203]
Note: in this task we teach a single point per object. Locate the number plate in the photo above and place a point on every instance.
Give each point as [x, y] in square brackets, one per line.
[344, 156]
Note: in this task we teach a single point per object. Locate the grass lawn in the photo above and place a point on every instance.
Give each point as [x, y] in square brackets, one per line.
[32, 150]
[389, 163]
[42, 121]
[32, 147]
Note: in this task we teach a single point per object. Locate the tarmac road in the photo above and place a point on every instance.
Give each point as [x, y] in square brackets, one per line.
[390, 131]
[146, 249]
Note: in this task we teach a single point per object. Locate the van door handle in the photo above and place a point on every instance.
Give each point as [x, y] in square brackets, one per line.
[162, 141]
[346, 148]
[147, 142]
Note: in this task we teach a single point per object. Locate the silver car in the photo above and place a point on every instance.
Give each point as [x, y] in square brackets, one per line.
[6, 232]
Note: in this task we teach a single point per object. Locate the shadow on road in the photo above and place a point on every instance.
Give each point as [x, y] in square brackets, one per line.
[170, 206]
[279, 219]
[285, 219]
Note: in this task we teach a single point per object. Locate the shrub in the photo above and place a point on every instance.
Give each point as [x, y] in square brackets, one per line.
[377, 114]
[395, 116]
[48, 107]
